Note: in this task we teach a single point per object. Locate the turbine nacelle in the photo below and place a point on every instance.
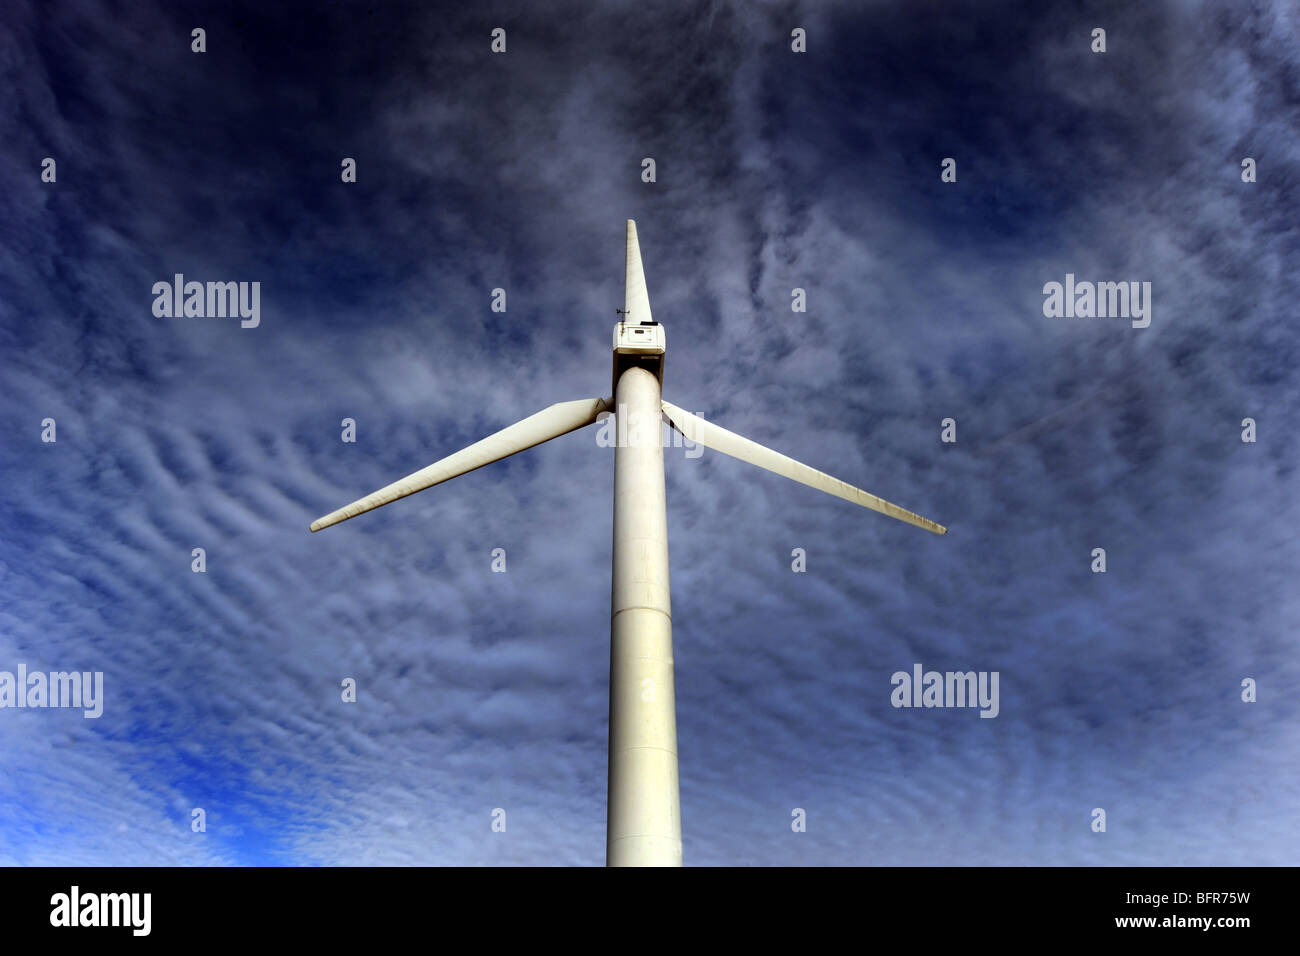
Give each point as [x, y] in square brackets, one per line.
[639, 345]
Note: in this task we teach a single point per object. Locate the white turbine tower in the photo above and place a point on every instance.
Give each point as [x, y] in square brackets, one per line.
[644, 826]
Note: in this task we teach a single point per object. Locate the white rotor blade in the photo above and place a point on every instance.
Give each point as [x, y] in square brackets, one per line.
[551, 422]
[729, 443]
[636, 300]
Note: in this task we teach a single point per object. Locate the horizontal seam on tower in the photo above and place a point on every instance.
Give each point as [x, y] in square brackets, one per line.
[641, 607]
[664, 749]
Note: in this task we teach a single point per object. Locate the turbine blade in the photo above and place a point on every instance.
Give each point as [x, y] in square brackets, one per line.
[636, 298]
[551, 422]
[719, 439]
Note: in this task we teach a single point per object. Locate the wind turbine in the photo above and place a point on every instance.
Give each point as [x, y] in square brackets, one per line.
[644, 826]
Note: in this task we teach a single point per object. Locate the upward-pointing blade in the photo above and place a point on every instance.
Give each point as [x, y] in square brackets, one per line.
[729, 443]
[636, 299]
[552, 422]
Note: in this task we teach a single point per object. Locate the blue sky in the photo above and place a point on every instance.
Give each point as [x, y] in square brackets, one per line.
[775, 170]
